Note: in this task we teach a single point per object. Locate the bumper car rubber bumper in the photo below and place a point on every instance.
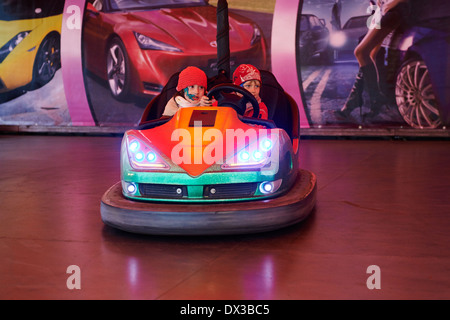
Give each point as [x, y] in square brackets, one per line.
[210, 218]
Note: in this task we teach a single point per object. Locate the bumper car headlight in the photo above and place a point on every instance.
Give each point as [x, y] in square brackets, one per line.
[129, 187]
[253, 156]
[142, 156]
[268, 187]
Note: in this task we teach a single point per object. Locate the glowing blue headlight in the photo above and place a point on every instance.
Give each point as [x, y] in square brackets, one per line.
[267, 187]
[139, 156]
[257, 155]
[244, 156]
[143, 156]
[266, 144]
[151, 156]
[131, 188]
[134, 146]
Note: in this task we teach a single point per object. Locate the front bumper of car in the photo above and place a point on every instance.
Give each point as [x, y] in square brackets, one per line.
[181, 187]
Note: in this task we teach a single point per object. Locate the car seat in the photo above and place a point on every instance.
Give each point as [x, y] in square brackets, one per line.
[155, 107]
[282, 107]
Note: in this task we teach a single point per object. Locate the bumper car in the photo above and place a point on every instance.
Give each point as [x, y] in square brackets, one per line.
[210, 170]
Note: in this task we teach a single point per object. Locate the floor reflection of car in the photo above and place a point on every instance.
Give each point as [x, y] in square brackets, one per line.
[344, 41]
[419, 59]
[314, 38]
[29, 43]
[137, 45]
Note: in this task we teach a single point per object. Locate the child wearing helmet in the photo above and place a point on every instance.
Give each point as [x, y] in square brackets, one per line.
[191, 91]
[249, 77]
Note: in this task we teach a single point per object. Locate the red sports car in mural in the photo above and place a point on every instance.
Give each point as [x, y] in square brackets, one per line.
[137, 45]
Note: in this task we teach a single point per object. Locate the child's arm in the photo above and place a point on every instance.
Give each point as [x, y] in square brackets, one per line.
[171, 108]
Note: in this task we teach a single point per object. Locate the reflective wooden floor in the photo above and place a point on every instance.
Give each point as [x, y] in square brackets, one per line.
[380, 202]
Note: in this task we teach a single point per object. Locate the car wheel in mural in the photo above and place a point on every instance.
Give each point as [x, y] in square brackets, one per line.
[48, 60]
[423, 78]
[413, 66]
[415, 97]
[118, 69]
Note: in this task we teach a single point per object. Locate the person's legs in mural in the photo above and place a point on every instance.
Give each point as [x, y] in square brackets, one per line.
[368, 77]
[355, 98]
[366, 53]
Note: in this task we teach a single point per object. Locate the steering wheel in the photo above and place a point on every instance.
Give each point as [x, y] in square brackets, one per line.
[233, 100]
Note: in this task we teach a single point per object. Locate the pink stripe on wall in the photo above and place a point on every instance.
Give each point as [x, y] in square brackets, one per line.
[284, 64]
[72, 67]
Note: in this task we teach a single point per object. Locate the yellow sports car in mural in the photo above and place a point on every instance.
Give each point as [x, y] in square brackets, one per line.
[30, 34]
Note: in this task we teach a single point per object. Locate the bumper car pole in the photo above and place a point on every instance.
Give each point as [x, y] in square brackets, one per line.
[223, 39]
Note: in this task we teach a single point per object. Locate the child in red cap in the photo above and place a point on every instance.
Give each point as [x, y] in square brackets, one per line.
[191, 91]
[249, 77]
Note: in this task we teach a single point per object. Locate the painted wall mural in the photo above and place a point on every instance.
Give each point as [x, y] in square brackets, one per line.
[99, 63]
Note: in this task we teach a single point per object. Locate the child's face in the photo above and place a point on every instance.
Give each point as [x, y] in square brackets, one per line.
[253, 86]
[194, 93]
